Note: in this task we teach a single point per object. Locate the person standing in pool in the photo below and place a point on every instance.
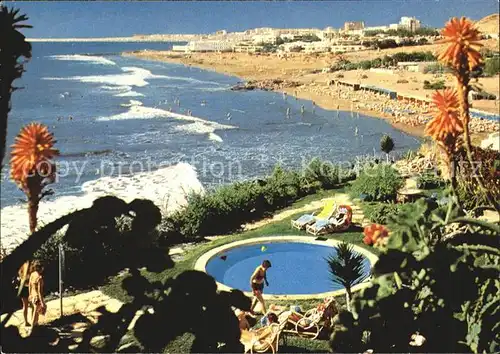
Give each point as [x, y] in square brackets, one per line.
[257, 283]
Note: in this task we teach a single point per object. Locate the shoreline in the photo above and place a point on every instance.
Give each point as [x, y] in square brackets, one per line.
[322, 101]
[313, 85]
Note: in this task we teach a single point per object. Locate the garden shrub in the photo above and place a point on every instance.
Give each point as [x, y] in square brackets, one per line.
[429, 282]
[430, 181]
[470, 194]
[100, 242]
[381, 213]
[229, 207]
[378, 183]
[492, 66]
[438, 85]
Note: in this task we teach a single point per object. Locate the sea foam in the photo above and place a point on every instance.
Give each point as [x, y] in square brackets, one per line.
[166, 187]
[131, 76]
[86, 58]
[197, 125]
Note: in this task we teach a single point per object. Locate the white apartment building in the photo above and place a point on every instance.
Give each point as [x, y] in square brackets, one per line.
[377, 28]
[328, 34]
[265, 38]
[409, 23]
[316, 47]
[357, 32]
[343, 48]
[205, 46]
[415, 66]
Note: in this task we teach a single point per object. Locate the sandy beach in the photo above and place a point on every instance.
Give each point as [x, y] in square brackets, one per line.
[306, 70]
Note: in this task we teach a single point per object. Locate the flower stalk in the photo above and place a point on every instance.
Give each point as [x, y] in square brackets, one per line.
[452, 115]
[32, 165]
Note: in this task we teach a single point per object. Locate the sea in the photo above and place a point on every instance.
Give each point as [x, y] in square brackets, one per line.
[146, 129]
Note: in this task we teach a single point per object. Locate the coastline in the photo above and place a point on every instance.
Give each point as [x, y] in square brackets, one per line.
[321, 100]
[313, 84]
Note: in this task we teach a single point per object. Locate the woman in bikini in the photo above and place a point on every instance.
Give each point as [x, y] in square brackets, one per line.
[257, 283]
[23, 276]
[35, 298]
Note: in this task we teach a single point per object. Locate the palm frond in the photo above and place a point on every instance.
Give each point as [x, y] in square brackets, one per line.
[346, 266]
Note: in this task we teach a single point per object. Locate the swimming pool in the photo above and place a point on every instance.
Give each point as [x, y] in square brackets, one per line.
[299, 266]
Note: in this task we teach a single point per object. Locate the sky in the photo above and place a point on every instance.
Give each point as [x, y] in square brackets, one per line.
[57, 19]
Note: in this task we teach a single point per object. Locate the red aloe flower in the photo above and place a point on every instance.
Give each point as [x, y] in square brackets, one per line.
[375, 234]
[32, 165]
[463, 43]
[446, 122]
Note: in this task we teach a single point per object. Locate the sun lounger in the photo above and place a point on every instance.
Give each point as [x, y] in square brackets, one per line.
[312, 323]
[262, 340]
[329, 209]
[340, 222]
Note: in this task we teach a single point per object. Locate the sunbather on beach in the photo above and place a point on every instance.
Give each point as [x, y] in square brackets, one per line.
[257, 283]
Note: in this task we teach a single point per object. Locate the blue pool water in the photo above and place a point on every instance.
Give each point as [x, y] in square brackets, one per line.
[297, 268]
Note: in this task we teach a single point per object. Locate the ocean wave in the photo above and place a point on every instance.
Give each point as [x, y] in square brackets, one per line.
[129, 94]
[87, 58]
[132, 103]
[166, 187]
[116, 88]
[138, 111]
[215, 137]
[211, 89]
[123, 91]
[192, 80]
[132, 76]
[197, 125]
[87, 153]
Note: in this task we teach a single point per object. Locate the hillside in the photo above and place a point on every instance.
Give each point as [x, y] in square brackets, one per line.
[489, 24]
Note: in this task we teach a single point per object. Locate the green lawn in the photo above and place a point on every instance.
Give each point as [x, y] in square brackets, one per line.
[294, 344]
[113, 288]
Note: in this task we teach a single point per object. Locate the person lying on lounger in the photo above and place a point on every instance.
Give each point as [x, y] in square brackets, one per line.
[260, 333]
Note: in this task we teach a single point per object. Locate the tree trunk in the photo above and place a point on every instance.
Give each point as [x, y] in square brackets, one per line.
[5, 93]
[348, 297]
[32, 212]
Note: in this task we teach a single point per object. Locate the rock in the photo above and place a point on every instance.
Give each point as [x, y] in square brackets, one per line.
[265, 85]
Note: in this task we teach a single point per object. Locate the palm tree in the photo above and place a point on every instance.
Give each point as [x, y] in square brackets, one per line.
[13, 46]
[346, 268]
[386, 145]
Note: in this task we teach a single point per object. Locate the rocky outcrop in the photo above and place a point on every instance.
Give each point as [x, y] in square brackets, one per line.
[265, 85]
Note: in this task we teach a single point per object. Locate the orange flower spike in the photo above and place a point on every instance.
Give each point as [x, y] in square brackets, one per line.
[445, 119]
[374, 234]
[463, 40]
[33, 145]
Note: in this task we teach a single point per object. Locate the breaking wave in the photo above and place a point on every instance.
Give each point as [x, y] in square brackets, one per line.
[87, 58]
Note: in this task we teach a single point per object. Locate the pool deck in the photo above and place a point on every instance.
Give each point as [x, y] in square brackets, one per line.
[202, 262]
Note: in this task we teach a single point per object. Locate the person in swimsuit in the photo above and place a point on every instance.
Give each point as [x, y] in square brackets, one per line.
[23, 276]
[257, 283]
[35, 298]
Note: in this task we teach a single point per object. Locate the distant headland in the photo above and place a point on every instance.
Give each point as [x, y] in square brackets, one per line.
[136, 38]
